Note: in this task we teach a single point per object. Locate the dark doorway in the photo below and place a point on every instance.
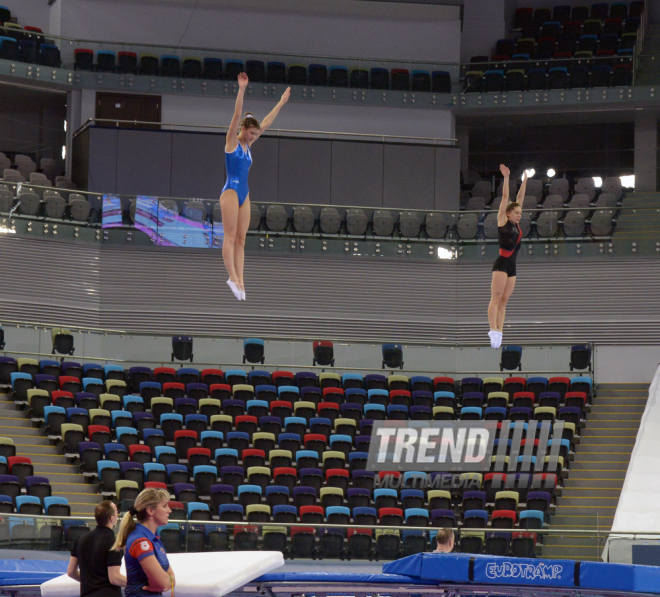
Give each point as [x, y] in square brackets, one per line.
[128, 107]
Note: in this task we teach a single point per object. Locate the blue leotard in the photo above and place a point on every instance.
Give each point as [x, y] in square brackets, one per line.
[238, 164]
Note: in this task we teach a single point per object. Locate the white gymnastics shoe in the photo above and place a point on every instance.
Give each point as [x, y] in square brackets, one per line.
[242, 295]
[234, 289]
[495, 338]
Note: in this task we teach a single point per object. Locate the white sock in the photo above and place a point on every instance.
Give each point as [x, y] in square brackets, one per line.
[495, 338]
[242, 295]
[234, 289]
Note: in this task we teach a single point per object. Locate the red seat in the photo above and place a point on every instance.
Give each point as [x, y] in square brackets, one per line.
[12, 460]
[212, 376]
[156, 485]
[578, 399]
[446, 384]
[174, 389]
[395, 474]
[281, 408]
[93, 429]
[503, 519]
[136, 448]
[398, 512]
[63, 399]
[220, 391]
[164, 374]
[335, 395]
[185, 433]
[65, 379]
[282, 378]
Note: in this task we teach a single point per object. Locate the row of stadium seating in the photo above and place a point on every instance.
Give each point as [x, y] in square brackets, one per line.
[542, 78]
[49, 170]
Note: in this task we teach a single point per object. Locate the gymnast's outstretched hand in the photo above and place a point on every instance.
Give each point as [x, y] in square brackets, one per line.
[243, 80]
[285, 96]
[505, 171]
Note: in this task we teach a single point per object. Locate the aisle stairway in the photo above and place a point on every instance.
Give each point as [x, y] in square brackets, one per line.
[591, 493]
[648, 71]
[47, 459]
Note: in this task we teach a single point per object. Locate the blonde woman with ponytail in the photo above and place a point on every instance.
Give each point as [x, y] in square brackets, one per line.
[148, 570]
[235, 197]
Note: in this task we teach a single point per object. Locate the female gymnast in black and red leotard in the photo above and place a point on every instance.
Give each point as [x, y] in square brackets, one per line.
[504, 269]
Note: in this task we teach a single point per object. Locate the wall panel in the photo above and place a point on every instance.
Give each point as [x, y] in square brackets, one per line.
[304, 171]
[175, 290]
[357, 174]
[409, 177]
[144, 163]
[197, 165]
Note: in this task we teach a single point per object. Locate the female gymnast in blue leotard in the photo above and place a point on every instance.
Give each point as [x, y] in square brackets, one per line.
[235, 197]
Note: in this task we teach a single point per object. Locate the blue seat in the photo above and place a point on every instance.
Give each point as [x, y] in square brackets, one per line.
[176, 468]
[105, 61]
[250, 489]
[340, 442]
[533, 518]
[232, 69]
[153, 466]
[196, 507]
[170, 65]
[16, 376]
[354, 380]
[147, 433]
[228, 508]
[471, 412]
[164, 451]
[338, 76]
[54, 501]
[236, 373]
[212, 68]
[397, 411]
[421, 512]
[93, 385]
[365, 511]
[282, 391]
[106, 464]
[355, 395]
[110, 447]
[109, 369]
[376, 396]
[311, 454]
[317, 75]
[380, 78]
[133, 400]
[24, 500]
[253, 348]
[337, 510]
[120, 414]
[261, 377]
[374, 411]
[94, 367]
[477, 515]
[407, 475]
[171, 417]
[495, 413]
[50, 410]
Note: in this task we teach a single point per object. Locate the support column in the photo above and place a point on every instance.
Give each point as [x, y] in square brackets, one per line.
[646, 151]
[484, 22]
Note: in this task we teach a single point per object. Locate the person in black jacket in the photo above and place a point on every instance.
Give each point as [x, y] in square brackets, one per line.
[94, 564]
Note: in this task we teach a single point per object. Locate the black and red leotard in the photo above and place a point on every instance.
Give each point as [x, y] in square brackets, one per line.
[509, 237]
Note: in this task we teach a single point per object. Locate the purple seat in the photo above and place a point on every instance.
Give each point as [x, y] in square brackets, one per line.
[304, 379]
[197, 390]
[375, 381]
[420, 413]
[524, 411]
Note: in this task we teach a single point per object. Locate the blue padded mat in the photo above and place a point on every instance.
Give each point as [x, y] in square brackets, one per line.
[30, 572]
[465, 568]
[340, 577]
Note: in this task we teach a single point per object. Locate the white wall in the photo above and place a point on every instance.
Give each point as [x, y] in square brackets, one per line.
[323, 27]
[484, 22]
[216, 111]
[626, 364]
[35, 13]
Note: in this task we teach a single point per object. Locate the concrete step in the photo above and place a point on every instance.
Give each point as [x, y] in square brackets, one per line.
[604, 492]
[582, 475]
[80, 498]
[16, 431]
[67, 479]
[607, 432]
[592, 484]
[608, 457]
[628, 425]
[604, 447]
[46, 459]
[16, 421]
[33, 444]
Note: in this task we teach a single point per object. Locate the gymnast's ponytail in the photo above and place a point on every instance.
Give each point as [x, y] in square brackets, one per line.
[249, 121]
[148, 498]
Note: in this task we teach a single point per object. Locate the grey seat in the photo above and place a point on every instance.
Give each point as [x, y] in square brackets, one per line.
[168, 204]
[382, 223]
[601, 222]
[435, 225]
[525, 223]
[548, 224]
[606, 200]
[574, 223]
[409, 224]
[330, 220]
[490, 226]
[6, 201]
[276, 218]
[586, 186]
[475, 204]
[531, 204]
[468, 226]
[29, 204]
[45, 162]
[26, 168]
[195, 211]
[356, 222]
[66, 185]
[612, 185]
[553, 202]
[303, 218]
[52, 193]
[35, 176]
[559, 186]
[11, 175]
[80, 208]
[534, 188]
[256, 216]
[55, 207]
[5, 163]
[483, 188]
[580, 201]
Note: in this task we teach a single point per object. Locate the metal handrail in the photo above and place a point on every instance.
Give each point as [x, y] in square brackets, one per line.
[325, 525]
[268, 132]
